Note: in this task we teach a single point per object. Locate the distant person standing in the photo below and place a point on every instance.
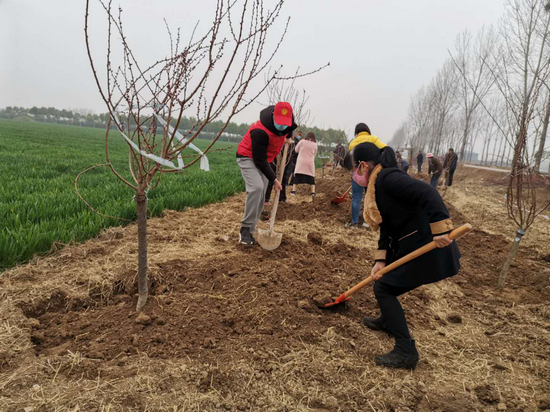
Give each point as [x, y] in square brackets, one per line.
[405, 165]
[419, 161]
[402, 164]
[261, 144]
[434, 169]
[340, 153]
[289, 170]
[449, 165]
[304, 173]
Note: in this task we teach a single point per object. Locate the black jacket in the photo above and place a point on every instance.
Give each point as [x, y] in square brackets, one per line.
[413, 213]
[260, 141]
[420, 159]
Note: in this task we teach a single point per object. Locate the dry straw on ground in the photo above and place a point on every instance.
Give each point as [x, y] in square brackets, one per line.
[232, 328]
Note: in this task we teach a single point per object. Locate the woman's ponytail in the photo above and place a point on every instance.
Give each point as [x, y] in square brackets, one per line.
[388, 158]
[369, 152]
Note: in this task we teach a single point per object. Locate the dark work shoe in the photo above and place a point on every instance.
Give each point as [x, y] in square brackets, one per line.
[245, 237]
[403, 356]
[376, 324]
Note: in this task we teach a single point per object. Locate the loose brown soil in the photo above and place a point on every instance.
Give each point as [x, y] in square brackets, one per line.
[234, 328]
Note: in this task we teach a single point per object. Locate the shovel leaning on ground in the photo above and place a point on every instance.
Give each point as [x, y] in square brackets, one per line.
[454, 235]
[268, 238]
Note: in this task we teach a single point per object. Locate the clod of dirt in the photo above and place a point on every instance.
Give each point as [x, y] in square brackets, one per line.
[59, 350]
[454, 318]
[303, 304]
[37, 338]
[134, 339]
[209, 343]
[143, 319]
[315, 238]
[322, 300]
[544, 404]
[94, 354]
[501, 406]
[121, 298]
[487, 394]
[34, 323]
[499, 366]
[161, 289]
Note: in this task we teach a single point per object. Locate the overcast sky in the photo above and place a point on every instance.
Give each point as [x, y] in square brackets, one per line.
[380, 51]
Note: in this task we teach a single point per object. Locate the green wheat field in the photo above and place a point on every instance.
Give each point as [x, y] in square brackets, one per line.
[38, 202]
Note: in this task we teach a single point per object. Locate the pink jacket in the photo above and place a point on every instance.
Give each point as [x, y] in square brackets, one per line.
[307, 151]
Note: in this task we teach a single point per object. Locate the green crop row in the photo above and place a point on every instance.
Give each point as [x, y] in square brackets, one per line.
[38, 202]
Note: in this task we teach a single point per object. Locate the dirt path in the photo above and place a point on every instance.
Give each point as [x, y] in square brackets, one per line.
[234, 328]
[491, 169]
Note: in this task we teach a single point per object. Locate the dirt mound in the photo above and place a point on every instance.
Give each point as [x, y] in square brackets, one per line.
[197, 306]
[229, 327]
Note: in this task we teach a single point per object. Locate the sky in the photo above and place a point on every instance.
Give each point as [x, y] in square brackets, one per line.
[380, 51]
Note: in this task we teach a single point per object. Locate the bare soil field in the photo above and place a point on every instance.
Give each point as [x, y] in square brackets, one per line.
[238, 329]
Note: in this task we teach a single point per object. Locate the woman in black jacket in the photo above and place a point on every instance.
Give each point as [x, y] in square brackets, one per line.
[409, 214]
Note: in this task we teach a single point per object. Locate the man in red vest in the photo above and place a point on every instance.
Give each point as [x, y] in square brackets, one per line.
[260, 145]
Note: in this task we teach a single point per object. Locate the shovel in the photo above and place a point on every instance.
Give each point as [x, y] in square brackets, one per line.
[454, 235]
[340, 199]
[268, 238]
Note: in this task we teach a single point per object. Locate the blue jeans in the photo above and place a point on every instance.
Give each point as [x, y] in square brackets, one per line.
[356, 198]
[435, 180]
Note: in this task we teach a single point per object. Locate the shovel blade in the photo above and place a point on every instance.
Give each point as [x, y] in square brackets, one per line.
[269, 240]
[338, 200]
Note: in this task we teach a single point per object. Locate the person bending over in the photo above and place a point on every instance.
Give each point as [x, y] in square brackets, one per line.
[409, 214]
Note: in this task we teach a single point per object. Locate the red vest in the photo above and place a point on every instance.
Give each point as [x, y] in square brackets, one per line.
[274, 146]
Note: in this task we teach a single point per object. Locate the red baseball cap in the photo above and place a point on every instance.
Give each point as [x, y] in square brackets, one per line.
[282, 114]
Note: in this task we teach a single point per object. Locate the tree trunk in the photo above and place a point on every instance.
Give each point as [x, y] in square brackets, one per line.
[494, 151]
[538, 156]
[465, 137]
[500, 152]
[515, 246]
[141, 200]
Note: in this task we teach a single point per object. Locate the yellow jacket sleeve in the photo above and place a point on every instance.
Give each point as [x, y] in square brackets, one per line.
[377, 142]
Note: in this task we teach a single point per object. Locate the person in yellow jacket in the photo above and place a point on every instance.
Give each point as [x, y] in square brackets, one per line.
[362, 135]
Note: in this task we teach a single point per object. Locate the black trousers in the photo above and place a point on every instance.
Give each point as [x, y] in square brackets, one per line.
[419, 167]
[450, 176]
[282, 197]
[391, 310]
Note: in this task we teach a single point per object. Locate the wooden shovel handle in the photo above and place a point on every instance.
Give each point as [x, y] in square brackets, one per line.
[454, 235]
[280, 177]
[346, 192]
